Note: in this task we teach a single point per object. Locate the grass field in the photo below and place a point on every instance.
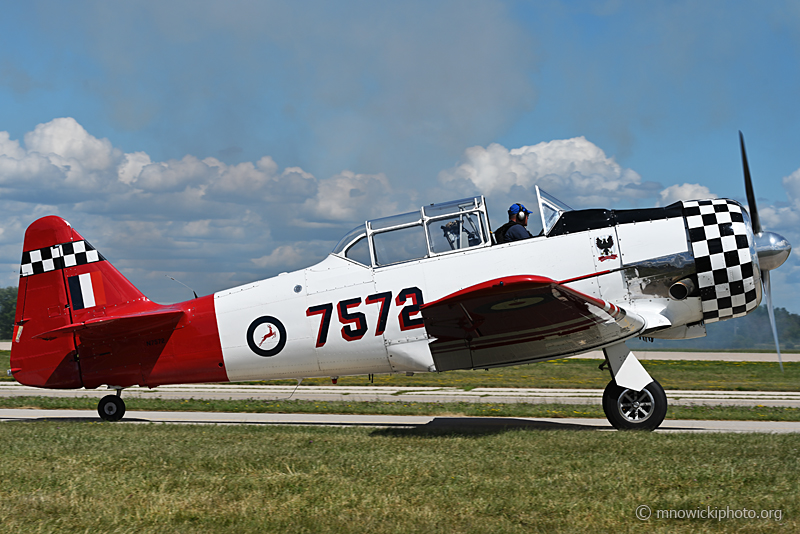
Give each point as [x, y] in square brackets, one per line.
[469, 409]
[582, 373]
[106, 477]
[84, 477]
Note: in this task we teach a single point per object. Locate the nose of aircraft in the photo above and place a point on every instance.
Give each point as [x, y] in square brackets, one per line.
[772, 250]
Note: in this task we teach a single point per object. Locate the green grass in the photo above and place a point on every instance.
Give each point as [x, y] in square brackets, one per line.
[581, 373]
[584, 373]
[467, 409]
[84, 477]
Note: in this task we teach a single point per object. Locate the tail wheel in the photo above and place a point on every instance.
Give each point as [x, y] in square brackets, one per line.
[111, 408]
[627, 409]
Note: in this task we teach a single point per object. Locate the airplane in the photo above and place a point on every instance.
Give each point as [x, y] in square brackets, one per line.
[425, 291]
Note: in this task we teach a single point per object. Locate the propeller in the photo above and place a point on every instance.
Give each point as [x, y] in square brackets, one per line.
[772, 249]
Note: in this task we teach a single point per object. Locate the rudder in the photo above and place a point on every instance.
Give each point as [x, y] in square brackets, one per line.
[63, 281]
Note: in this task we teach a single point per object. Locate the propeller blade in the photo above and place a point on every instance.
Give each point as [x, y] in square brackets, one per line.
[768, 293]
[748, 187]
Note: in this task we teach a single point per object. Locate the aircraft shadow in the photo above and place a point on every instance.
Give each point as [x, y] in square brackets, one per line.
[464, 426]
[70, 420]
[479, 426]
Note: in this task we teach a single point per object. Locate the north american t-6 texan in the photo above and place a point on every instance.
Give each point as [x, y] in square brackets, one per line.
[425, 291]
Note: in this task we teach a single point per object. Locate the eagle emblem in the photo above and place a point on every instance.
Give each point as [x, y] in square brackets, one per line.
[606, 246]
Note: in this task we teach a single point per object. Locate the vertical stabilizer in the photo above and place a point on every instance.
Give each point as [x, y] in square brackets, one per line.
[63, 281]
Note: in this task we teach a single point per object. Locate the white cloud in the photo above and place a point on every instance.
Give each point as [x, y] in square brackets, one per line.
[575, 169]
[792, 185]
[677, 192]
[60, 163]
[284, 257]
[9, 148]
[775, 218]
[263, 182]
[17, 172]
[248, 220]
[66, 138]
[173, 175]
[348, 195]
[131, 166]
[167, 216]
[785, 219]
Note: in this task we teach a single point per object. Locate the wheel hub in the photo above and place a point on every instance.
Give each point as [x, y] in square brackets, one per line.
[635, 406]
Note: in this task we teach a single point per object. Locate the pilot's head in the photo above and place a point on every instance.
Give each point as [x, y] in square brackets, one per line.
[518, 212]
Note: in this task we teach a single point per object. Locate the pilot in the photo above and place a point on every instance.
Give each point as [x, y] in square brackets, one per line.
[514, 229]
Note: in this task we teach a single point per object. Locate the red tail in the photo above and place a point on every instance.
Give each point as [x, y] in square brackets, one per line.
[80, 322]
[63, 280]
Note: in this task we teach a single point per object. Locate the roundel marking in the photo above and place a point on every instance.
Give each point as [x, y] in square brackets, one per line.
[266, 336]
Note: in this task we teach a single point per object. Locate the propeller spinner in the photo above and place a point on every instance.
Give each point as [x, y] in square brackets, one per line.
[772, 248]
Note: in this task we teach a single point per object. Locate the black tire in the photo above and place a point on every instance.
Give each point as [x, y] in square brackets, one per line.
[111, 408]
[627, 409]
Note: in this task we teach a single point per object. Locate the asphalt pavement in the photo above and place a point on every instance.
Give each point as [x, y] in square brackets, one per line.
[407, 394]
[408, 422]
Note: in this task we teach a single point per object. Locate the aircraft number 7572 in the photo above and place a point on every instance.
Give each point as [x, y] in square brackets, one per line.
[354, 323]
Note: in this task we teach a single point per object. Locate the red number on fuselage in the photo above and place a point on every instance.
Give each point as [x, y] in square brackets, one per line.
[354, 323]
[326, 310]
[346, 317]
[386, 302]
[406, 322]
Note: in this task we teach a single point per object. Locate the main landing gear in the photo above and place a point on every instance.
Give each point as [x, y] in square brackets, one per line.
[627, 409]
[640, 402]
[111, 407]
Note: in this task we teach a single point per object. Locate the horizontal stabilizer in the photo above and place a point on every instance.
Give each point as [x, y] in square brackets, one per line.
[116, 325]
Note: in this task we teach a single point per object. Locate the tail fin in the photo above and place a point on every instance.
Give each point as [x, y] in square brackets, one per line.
[63, 281]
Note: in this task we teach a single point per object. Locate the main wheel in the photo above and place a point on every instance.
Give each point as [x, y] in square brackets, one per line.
[627, 409]
[111, 408]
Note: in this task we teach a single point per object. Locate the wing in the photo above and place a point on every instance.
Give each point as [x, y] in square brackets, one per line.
[520, 319]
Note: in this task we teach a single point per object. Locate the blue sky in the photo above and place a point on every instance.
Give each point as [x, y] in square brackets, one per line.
[220, 142]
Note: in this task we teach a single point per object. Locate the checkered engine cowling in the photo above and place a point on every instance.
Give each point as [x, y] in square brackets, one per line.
[725, 257]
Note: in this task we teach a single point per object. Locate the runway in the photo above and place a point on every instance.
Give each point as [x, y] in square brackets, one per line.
[408, 394]
[421, 423]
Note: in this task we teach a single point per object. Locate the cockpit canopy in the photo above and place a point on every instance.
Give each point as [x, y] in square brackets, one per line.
[433, 230]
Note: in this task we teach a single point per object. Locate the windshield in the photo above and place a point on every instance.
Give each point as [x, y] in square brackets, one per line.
[349, 237]
[550, 209]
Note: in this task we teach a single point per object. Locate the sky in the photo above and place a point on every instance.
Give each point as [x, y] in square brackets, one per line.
[219, 143]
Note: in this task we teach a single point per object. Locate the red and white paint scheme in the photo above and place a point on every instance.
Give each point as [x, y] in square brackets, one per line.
[426, 291]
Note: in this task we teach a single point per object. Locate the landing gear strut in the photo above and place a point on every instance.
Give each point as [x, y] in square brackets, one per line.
[111, 407]
[627, 409]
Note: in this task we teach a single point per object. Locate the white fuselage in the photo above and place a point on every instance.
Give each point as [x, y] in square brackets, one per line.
[353, 344]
